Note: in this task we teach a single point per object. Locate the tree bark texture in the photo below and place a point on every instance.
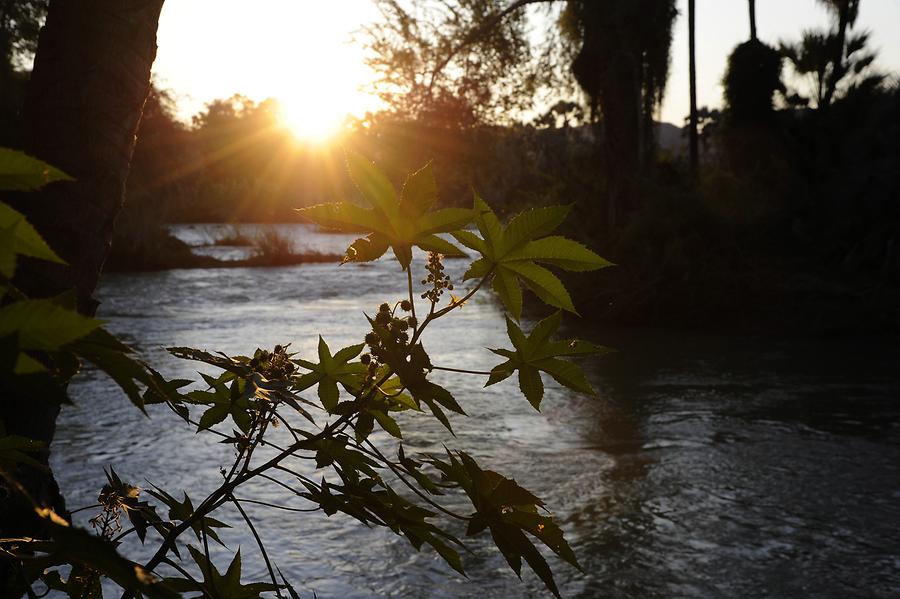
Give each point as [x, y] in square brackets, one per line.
[90, 80]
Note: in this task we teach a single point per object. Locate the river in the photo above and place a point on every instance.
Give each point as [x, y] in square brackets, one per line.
[708, 465]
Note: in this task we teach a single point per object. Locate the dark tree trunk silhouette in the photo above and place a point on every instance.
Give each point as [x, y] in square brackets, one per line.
[609, 71]
[752, 19]
[90, 80]
[694, 140]
[846, 10]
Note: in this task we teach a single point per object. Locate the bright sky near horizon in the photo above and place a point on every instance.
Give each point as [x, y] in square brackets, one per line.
[302, 52]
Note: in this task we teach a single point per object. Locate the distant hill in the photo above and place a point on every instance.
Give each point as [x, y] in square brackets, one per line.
[671, 138]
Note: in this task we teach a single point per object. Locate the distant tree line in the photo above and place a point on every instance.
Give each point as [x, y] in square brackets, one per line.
[795, 172]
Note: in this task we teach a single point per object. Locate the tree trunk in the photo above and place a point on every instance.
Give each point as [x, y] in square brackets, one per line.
[90, 80]
[840, 44]
[694, 136]
[752, 19]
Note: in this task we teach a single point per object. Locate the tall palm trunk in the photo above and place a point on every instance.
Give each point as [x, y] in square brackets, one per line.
[846, 9]
[752, 19]
[90, 80]
[692, 68]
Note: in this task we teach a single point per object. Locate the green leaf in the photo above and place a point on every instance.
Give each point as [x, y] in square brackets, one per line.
[508, 290]
[419, 193]
[544, 284]
[44, 325]
[531, 385]
[366, 249]
[536, 353]
[21, 172]
[559, 251]
[330, 372]
[213, 416]
[397, 222]
[532, 224]
[216, 585]
[433, 243]
[387, 423]
[510, 255]
[26, 240]
[508, 511]
[470, 240]
[111, 356]
[373, 184]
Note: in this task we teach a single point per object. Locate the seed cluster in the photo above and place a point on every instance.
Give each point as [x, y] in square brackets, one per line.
[436, 278]
[398, 327]
[275, 364]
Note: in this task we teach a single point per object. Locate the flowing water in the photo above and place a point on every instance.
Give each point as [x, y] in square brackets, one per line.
[706, 467]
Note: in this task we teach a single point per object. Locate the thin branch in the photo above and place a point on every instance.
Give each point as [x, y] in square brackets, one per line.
[81, 509]
[463, 371]
[184, 572]
[476, 34]
[412, 487]
[279, 507]
[259, 543]
[223, 491]
[435, 315]
[124, 534]
[412, 302]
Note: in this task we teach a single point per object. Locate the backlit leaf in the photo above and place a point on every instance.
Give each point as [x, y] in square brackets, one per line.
[21, 172]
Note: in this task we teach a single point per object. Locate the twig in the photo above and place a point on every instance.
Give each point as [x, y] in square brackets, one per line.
[480, 372]
[259, 543]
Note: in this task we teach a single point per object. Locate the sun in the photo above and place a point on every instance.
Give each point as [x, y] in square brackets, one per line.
[312, 118]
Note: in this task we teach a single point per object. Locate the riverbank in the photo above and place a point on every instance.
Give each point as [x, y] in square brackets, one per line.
[167, 251]
[752, 301]
[746, 295]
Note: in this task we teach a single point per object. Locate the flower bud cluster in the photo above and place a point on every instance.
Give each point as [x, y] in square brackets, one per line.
[398, 328]
[273, 365]
[436, 278]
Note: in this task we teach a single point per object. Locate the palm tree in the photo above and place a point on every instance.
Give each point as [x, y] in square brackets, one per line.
[692, 127]
[846, 12]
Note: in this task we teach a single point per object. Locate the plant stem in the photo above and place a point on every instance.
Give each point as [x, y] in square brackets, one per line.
[279, 507]
[228, 487]
[412, 302]
[259, 543]
[443, 311]
[463, 371]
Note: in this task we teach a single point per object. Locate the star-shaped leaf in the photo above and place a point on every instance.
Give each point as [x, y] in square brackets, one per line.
[217, 585]
[330, 371]
[511, 255]
[183, 510]
[536, 353]
[224, 401]
[397, 221]
[508, 511]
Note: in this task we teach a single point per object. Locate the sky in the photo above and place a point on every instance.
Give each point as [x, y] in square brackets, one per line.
[302, 51]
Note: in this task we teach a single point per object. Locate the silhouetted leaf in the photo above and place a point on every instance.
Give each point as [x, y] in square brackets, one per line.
[536, 353]
[331, 371]
[43, 325]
